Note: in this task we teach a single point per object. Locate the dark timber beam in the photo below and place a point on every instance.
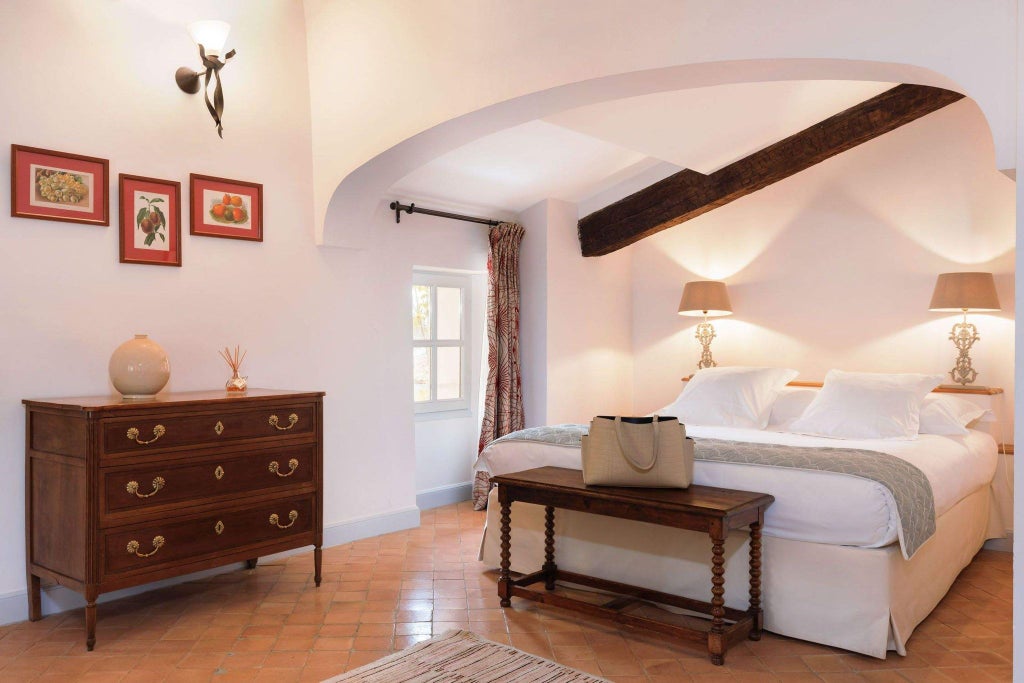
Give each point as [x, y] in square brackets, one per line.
[688, 194]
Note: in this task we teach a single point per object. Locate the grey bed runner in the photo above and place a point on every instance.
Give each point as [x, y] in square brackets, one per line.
[910, 489]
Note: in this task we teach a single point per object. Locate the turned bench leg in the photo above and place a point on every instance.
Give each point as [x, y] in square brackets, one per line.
[716, 637]
[755, 611]
[504, 580]
[549, 568]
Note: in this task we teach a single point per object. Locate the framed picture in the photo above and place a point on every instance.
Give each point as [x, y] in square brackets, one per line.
[226, 208]
[150, 220]
[56, 186]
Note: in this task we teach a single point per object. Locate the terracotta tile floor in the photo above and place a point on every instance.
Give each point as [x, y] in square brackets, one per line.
[382, 594]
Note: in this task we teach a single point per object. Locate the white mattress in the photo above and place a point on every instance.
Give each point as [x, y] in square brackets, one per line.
[821, 507]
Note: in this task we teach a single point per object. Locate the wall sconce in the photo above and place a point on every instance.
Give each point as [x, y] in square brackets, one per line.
[708, 299]
[210, 36]
[964, 292]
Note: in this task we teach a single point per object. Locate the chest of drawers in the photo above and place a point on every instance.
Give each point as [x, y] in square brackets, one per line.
[122, 493]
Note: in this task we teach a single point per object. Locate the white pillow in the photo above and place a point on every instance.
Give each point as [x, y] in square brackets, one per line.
[790, 404]
[948, 415]
[730, 397]
[867, 405]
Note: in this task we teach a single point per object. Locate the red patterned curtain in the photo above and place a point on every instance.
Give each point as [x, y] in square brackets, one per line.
[503, 403]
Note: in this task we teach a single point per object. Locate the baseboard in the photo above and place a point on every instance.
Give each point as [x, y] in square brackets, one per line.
[1003, 545]
[14, 605]
[444, 495]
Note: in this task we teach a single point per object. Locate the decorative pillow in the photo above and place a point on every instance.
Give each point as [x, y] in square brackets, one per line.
[867, 405]
[730, 397]
[790, 404]
[948, 415]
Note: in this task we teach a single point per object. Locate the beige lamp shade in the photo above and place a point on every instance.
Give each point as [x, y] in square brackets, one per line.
[705, 297]
[965, 291]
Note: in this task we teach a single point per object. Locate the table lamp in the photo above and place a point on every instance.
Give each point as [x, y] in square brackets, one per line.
[709, 299]
[964, 292]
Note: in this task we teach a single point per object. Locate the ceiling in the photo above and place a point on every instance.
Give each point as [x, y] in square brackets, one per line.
[583, 153]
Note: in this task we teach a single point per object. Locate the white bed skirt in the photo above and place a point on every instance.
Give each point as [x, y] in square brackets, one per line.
[866, 600]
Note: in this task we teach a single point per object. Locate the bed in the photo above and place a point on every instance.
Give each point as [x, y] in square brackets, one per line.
[838, 571]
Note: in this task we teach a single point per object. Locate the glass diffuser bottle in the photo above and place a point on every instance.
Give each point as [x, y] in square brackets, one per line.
[236, 383]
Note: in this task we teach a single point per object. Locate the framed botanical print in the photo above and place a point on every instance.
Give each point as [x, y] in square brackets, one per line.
[150, 220]
[226, 208]
[57, 186]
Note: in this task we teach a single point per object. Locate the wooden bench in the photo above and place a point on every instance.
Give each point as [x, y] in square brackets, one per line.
[714, 511]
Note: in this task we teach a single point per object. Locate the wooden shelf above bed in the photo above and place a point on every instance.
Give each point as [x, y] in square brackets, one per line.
[941, 389]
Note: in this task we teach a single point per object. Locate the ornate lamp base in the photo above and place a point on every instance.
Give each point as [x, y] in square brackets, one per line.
[963, 335]
[705, 333]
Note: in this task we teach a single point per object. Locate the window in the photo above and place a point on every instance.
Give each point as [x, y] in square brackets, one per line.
[440, 345]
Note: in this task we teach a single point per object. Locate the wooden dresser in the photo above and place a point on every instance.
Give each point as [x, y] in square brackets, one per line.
[121, 493]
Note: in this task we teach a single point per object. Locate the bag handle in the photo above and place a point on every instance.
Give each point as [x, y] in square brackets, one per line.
[625, 452]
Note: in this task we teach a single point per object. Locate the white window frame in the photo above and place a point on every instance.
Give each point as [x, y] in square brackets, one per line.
[465, 284]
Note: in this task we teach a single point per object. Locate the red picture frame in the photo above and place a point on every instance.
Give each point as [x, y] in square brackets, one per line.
[226, 208]
[58, 186]
[149, 220]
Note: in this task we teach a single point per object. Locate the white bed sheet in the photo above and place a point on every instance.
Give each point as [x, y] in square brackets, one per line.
[821, 507]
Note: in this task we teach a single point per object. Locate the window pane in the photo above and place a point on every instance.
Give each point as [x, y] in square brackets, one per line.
[421, 312]
[421, 374]
[449, 372]
[449, 313]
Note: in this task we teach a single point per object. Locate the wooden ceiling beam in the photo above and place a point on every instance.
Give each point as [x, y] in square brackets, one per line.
[688, 194]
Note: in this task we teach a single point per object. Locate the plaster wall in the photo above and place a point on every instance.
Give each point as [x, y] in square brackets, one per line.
[834, 267]
[97, 79]
[576, 319]
[368, 60]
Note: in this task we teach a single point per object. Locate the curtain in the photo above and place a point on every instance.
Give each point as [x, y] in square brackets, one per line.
[503, 392]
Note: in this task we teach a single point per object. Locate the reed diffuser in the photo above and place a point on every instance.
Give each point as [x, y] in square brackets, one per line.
[234, 361]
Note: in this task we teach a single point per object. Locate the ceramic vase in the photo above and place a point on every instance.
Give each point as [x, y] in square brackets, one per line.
[139, 368]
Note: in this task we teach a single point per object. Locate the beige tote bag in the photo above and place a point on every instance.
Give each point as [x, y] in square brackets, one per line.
[637, 451]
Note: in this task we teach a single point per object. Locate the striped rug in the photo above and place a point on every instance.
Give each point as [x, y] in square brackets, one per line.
[463, 657]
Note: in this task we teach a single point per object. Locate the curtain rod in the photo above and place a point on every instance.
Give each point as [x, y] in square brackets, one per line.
[412, 208]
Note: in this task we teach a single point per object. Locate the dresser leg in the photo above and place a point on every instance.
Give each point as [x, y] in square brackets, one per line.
[91, 593]
[35, 608]
[756, 614]
[716, 639]
[318, 560]
[251, 564]
[504, 580]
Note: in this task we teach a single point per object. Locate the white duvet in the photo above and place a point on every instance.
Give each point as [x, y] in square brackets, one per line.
[821, 507]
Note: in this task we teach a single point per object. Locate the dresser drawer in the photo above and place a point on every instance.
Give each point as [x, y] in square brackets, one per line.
[154, 432]
[204, 478]
[152, 545]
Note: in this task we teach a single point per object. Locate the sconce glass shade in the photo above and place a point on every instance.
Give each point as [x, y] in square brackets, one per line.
[705, 298]
[211, 34]
[965, 291]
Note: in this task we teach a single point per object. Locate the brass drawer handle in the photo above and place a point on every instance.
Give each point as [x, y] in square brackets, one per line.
[133, 547]
[219, 527]
[133, 487]
[293, 419]
[292, 465]
[276, 521]
[218, 428]
[158, 431]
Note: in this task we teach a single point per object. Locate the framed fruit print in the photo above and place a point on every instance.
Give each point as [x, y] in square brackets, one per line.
[226, 208]
[57, 186]
[150, 220]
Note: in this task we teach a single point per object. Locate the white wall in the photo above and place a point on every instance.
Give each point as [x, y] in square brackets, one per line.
[590, 316]
[310, 317]
[576, 321]
[383, 72]
[835, 266]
